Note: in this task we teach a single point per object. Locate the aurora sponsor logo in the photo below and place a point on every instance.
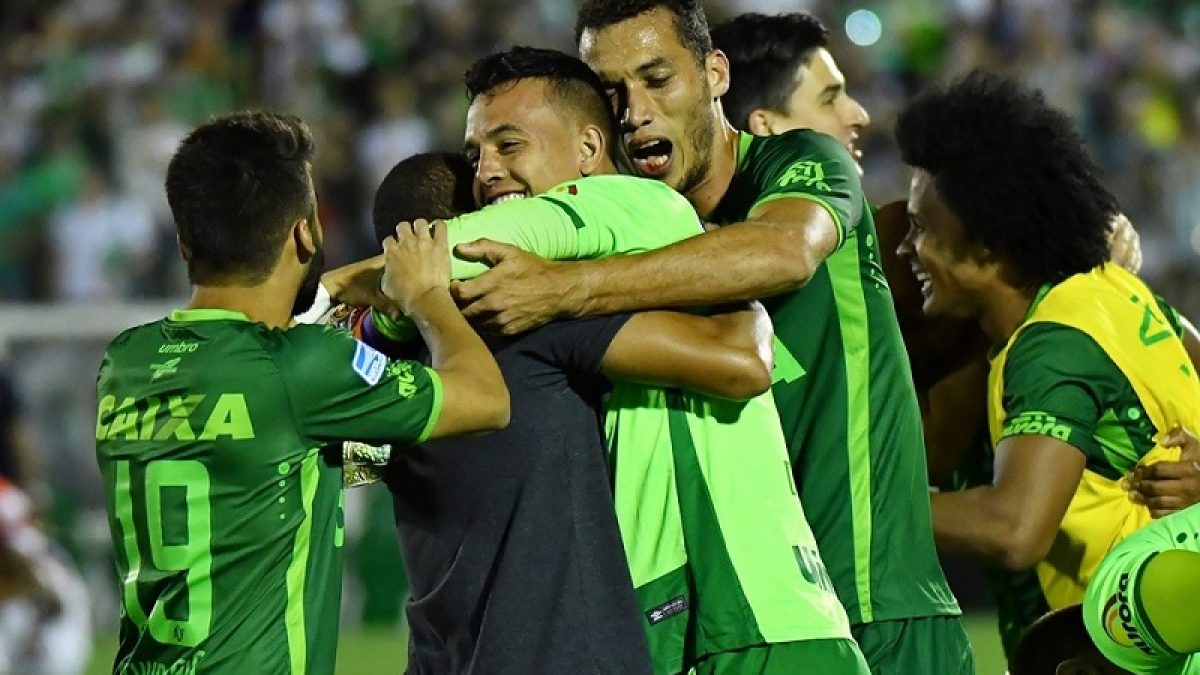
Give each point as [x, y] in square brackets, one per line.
[1039, 424]
[1117, 619]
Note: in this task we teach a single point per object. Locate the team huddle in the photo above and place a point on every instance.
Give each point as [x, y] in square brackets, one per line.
[713, 384]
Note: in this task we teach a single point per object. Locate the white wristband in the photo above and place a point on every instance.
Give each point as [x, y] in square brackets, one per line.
[319, 308]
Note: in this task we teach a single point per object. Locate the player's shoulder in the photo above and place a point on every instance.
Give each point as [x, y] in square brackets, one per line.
[307, 341]
[796, 142]
[1052, 342]
[616, 186]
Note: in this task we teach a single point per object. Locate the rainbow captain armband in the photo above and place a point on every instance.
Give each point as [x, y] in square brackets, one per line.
[379, 329]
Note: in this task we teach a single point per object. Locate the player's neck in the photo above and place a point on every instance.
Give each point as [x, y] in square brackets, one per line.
[267, 303]
[1004, 311]
[708, 192]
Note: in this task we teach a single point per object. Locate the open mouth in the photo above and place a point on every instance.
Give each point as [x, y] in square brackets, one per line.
[925, 281]
[506, 197]
[652, 159]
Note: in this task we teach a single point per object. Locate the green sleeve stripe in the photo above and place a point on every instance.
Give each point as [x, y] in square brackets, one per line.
[837, 220]
[435, 409]
[1151, 635]
[846, 283]
[297, 571]
[568, 209]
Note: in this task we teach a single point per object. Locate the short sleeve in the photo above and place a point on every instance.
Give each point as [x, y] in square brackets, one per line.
[809, 165]
[578, 345]
[1113, 611]
[343, 389]
[1054, 386]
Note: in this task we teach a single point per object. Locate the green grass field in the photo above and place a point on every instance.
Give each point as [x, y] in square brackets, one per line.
[382, 650]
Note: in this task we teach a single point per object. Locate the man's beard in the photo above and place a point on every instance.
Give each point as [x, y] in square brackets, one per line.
[312, 278]
[699, 133]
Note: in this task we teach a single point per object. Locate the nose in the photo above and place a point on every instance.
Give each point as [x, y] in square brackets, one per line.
[637, 110]
[489, 171]
[906, 249]
[856, 115]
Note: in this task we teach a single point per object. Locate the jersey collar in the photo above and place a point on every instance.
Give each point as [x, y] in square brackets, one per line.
[194, 315]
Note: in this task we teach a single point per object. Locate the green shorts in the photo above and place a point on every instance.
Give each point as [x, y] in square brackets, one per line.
[828, 657]
[934, 644]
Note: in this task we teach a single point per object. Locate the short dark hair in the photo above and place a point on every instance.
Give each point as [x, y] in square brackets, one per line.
[1014, 171]
[428, 185]
[1055, 637]
[764, 54]
[573, 87]
[686, 15]
[236, 185]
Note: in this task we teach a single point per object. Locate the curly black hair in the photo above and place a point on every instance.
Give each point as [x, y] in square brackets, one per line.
[1014, 171]
[428, 185]
[573, 87]
[236, 185]
[687, 16]
[765, 53]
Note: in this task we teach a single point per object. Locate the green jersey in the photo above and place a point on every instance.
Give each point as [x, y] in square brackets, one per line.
[844, 389]
[225, 514]
[1114, 610]
[719, 549]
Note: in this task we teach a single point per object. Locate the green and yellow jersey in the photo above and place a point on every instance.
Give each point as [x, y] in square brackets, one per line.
[1098, 364]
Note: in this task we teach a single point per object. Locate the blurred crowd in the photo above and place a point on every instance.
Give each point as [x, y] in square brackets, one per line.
[94, 95]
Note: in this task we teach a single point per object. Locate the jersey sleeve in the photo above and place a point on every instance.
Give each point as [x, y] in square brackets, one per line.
[535, 225]
[592, 217]
[805, 164]
[1114, 611]
[343, 389]
[579, 345]
[1053, 386]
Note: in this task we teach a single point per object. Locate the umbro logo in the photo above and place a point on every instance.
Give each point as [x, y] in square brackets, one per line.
[165, 368]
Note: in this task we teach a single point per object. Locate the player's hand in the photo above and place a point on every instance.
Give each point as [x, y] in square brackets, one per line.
[1167, 487]
[357, 285]
[417, 262]
[1124, 244]
[519, 293]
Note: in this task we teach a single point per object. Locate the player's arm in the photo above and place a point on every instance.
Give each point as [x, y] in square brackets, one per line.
[1139, 607]
[1011, 523]
[727, 355]
[777, 248]
[417, 277]
[1055, 379]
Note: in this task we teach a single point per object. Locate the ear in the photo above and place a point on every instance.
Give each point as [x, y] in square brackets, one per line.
[716, 67]
[305, 239]
[185, 251]
[760, 122]
[593, 149]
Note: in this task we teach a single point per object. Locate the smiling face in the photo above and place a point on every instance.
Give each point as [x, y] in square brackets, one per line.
[664, 98]
[820, 102]
[520, 144]
[953, 272]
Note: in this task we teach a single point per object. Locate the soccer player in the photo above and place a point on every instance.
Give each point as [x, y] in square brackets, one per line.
[224, 514]
[783, 77]
[1089, 366]
[798, 234]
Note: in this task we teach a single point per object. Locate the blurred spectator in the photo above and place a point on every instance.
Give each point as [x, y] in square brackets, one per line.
[102, 244]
